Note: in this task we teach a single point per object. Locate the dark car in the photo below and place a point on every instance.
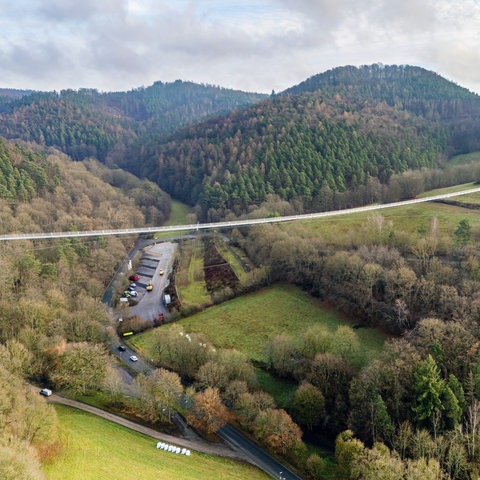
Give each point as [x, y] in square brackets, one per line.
[133, 278]
[122, 348]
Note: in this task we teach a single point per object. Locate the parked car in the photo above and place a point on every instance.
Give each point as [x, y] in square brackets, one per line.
[122, 348]
[134, 293]
[46, 392]
[133, 358]
[133, 278]
[133, 285]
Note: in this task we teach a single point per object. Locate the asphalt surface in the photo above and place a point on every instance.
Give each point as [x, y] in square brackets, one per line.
[155, 257]
[255, 454]
[195, 445]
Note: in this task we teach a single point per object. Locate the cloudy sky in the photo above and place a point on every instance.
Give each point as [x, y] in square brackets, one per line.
[255, 45]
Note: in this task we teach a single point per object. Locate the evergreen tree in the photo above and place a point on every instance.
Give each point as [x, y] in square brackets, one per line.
[429, 388]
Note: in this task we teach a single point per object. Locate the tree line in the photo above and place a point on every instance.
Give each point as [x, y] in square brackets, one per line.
[334, 133]
[53, 327]
[111, 127]
[412, 411]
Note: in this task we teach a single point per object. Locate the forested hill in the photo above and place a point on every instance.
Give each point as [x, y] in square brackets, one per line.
[25, 174]
[171, 105]
[87, 123]
[40, 190]
[334, 132]
[390, 83]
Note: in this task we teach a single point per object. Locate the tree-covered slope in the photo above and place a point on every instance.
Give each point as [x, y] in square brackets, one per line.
[335, 132]
[87, 123]
[25, 174]
[390, 83]
[171, 105]
[290, 146]
[50, 192]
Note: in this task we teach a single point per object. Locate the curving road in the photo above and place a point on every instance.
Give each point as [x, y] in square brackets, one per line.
[255, 454]
[160, 256]
[199, 445]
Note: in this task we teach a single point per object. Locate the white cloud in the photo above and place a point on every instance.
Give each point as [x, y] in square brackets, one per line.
[251, 44]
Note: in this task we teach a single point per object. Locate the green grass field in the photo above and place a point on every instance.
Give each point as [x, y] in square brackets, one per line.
[406, 221]
[248, 322]
[465, 158]
[179, 215]
[95, 449]
[190, 277]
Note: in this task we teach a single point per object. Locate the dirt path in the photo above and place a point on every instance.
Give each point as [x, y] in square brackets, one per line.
[199, 445]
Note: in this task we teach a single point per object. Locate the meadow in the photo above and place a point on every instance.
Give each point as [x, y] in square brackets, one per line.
[248, 322]
[190, 277]
[96, 449]
[407, 223]
[179, 215]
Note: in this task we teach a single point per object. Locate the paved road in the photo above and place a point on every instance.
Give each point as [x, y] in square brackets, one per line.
[255, 454]
[154, 258]
[196, 445]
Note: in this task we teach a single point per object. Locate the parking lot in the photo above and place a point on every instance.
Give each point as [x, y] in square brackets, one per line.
[154, 268]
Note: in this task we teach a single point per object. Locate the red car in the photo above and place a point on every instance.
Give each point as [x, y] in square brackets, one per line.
[133, 278]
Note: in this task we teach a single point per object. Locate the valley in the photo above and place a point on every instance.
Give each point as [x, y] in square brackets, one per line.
[323, 286]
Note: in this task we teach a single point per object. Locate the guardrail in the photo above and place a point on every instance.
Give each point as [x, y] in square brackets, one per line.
[231, 224]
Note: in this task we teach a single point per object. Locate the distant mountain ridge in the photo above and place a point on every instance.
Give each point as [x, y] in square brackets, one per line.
[331, 133]
[427, 84]
[87, 123]
[345, 130]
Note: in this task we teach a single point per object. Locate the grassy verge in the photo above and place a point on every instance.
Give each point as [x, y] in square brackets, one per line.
[100, 450]
[179, 215]
[248, 322]
[455, 188]
[226, 252]
[190, 278]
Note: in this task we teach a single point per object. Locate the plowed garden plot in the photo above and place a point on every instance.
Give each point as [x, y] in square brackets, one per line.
[218, 272]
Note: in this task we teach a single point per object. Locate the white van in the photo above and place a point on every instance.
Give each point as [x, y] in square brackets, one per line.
[46, 392]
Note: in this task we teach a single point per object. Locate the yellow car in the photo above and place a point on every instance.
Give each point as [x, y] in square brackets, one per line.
[149, 287]
[161, 272]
